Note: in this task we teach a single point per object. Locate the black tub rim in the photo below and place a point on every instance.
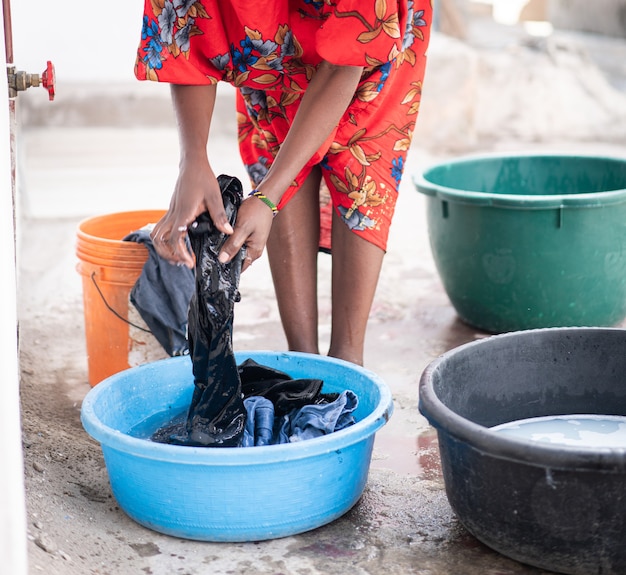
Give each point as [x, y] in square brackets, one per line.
[499, 446]
[598, 198]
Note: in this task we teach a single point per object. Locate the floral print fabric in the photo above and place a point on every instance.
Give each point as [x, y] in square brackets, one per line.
[270, 50]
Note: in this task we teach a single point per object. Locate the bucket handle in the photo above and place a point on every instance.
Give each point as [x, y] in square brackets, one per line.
[106, 303]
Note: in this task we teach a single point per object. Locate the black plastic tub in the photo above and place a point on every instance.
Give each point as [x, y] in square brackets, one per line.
[556, 507]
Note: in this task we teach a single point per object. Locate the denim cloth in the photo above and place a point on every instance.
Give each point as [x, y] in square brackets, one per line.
[260, 422]
[161, 295]
[315, 420]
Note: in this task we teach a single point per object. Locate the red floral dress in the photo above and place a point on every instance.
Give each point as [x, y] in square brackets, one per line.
[269, 51]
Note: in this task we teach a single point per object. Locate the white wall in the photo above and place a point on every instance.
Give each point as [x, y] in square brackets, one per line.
[85, 40]
[12, 504]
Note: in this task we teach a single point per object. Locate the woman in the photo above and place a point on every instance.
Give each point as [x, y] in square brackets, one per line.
[328, 93]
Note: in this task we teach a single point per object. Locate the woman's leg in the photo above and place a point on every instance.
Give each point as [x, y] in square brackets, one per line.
[356, 268]
[292, 249]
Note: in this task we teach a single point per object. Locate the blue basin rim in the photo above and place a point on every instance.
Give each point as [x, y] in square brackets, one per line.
[509, 448]
[519, 201]
[238, 456]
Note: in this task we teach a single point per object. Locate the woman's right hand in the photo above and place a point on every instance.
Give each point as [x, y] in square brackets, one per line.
[196, 191]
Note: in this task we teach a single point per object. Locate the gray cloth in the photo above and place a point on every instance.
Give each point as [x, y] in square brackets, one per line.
[161, 295]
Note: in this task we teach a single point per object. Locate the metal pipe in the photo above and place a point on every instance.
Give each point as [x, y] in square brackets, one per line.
[8, 31]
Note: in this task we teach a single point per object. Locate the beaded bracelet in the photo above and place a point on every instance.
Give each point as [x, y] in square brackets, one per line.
[265, 200]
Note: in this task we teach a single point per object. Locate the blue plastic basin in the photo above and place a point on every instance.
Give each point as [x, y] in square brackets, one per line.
[233, 494]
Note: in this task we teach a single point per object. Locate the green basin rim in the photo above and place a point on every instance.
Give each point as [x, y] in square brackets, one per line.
[520, 201]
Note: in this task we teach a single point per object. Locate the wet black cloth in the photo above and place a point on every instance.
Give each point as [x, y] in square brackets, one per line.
[217, 415]
[280, 388]
[161, 295]
[271, 399]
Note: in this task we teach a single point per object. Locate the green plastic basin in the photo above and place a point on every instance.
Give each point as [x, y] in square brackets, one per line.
[530, 241]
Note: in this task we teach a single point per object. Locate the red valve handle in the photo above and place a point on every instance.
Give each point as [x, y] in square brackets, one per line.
[48, 79]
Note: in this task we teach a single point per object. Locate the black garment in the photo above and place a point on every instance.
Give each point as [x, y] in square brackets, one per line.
[280, 388]
[217, 416]
[264, 386]
[161, 295]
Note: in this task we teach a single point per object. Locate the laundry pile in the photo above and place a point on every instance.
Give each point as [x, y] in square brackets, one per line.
[278, 409]
[233, 406]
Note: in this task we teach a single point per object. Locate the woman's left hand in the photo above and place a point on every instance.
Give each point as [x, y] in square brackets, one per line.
[252, 228]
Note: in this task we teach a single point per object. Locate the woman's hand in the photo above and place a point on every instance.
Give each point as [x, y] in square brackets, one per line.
[196, 191]
[252, 228]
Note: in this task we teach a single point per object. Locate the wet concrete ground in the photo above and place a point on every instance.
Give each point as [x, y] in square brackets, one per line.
[402, 524]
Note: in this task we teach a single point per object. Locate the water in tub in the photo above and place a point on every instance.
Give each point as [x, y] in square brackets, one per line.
[577, 430]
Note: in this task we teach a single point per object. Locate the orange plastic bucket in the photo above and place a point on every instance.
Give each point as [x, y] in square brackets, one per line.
[116, 336]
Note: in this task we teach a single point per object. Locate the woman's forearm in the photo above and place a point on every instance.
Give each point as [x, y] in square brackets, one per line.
[193, 108]
[326, 99]
[196, 189]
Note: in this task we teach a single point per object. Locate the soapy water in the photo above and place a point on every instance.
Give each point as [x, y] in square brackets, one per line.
[415, 456]
[173, 421]
[577, 430]
[330, 412]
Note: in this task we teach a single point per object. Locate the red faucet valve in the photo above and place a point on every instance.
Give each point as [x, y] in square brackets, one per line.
[48, 79]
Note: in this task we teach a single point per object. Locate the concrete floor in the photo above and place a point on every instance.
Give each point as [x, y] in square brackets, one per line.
[402, 524]
[403, 520]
